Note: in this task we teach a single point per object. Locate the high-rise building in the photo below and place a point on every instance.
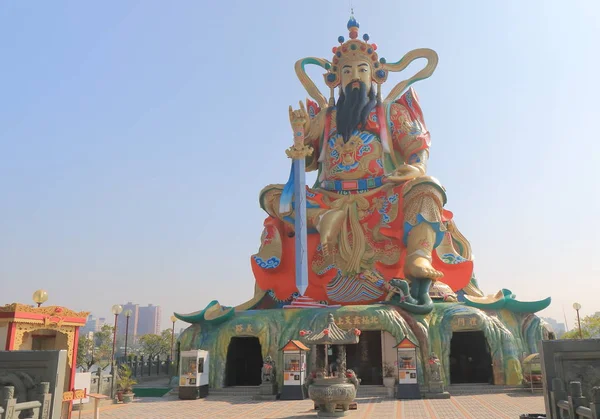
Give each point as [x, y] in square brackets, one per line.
[133, 319]
[93, 324]
[149, 320]
[101, 322]
[90, 325]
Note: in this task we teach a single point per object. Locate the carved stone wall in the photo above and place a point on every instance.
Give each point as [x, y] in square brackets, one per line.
[41, 366]
[570, 360]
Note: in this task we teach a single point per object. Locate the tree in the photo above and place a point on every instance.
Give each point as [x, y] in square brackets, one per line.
[103, 345]
[590, 328]
[156, 345]
[97, 349]
[85, 352]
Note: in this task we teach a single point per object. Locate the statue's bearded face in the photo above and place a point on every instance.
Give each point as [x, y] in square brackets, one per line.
[357, 98]
[354, 72]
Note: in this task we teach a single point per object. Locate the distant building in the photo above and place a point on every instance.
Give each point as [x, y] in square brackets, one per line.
[559, 328]
[133, 320]
[90, 325]
[93, 324]
[149, 320]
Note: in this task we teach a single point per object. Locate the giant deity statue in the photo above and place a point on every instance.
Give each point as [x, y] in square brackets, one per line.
[372, 232]
[374, 213]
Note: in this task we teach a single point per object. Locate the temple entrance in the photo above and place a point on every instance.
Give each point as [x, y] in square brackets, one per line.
[470, 358]
[43, 342]
[365, 358]
[244, 362]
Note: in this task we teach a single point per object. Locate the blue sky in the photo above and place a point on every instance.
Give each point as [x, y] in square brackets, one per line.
[135, 138]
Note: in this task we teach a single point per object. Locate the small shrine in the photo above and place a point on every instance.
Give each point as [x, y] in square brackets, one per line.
[330, 335]
[27, 328]
[294, 370]
[408, 387]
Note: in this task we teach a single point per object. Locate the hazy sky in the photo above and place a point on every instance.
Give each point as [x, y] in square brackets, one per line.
[135, 137]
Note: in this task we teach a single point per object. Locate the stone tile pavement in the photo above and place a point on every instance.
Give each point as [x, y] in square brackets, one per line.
[484, 406]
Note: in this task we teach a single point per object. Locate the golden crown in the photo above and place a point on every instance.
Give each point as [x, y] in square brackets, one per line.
[352, 50]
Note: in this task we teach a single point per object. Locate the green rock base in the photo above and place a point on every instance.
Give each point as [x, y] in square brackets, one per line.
[510, 336]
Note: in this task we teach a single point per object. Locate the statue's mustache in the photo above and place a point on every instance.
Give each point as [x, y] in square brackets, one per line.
[355, 81]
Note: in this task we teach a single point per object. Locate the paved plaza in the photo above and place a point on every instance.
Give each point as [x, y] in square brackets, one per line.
[484, 406]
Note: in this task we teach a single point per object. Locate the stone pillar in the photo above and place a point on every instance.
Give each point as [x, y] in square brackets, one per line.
[342, 357]
[312, 359]
[319, 360]
[326, 360]
[45, 398]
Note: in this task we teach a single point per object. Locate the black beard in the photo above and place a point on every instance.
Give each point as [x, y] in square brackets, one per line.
[353, 109]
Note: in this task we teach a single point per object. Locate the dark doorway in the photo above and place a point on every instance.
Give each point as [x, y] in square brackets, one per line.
[244, 362]
[365, 358]
[470, 359]
[43, 342]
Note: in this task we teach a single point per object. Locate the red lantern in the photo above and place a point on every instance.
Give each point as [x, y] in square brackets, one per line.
[326, 332]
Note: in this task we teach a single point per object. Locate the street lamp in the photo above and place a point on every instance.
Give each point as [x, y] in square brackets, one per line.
[173, 320]
[93, 345]
[116, 310]
[128, 314]
[40, 297]
[577, 307]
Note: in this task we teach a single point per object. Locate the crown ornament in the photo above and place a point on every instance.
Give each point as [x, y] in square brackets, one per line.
[351, 50]
[355, 49]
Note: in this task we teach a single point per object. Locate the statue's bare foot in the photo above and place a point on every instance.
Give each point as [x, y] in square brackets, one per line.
[420, 267]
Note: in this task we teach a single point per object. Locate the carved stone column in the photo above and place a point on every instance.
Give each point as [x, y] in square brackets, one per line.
[319, 358]
[312, 359]
[342, 357]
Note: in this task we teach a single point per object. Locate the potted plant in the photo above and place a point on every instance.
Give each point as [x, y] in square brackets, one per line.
[126, 383]
[389, 375]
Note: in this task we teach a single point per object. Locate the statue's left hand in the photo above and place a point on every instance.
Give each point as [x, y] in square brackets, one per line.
[404, 173]
[299, 119]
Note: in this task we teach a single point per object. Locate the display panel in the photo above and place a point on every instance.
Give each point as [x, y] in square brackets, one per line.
[292, 362]
[188, 365]
[294, 367]
[407, 366]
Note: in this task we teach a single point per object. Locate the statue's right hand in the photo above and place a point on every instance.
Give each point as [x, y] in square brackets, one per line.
[299, 119]
[403, 173]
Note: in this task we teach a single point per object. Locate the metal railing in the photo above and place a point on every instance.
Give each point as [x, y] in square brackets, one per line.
[141, 367]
